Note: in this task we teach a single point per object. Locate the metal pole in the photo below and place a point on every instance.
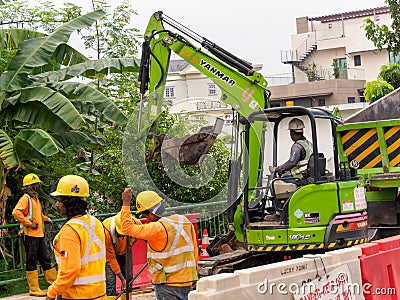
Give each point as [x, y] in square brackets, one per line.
[140, 113]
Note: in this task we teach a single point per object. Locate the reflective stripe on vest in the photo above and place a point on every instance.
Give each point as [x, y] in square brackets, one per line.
[173, 250]
[87, 258]
[113, 231]
[302, 164]
[29, 216]
[177, 263]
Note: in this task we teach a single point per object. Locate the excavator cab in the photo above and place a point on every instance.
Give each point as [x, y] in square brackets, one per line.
[320, 208]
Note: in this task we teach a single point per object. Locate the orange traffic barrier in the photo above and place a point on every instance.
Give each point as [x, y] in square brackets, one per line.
[380, 269]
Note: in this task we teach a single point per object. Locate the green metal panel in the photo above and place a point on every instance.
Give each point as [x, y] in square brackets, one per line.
[254, 237]
[346, 196]
[275, 237]
[387, 194]
[306, 235]
[319, 200]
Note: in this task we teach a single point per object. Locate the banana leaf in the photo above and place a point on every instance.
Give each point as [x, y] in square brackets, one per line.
[90, 69]
[37, 52]
[87, 94]
[75, 139]
[7, 153]
[36, 139]
[55, 102]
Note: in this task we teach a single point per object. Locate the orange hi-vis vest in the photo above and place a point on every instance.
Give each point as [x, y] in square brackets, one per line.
[176, 263]
[90, 282]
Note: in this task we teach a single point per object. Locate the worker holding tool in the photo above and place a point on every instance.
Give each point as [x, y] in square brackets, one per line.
[28, 212]
[79, 247]
[172, 244]
[115, 253]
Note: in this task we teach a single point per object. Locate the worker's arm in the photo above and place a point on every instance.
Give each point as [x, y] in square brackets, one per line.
[154, 233]
[150, 232]
[21, 211]
[295, 154]
[70, 263]
[111, 256]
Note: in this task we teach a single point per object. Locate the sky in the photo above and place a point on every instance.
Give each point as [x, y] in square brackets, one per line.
[255, 31]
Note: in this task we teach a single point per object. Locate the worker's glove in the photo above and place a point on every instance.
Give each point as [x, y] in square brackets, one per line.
[34, 225]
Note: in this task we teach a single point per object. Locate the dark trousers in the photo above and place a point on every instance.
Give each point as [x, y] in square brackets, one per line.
[36, 251]
[166, 292]
[111, 280]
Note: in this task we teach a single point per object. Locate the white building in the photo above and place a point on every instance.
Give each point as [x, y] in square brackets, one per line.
[319, 41]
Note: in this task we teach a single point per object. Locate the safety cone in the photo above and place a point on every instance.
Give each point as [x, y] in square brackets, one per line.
[205, 241]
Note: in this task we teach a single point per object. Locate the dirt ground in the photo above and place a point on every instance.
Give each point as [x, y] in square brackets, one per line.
[147, 294]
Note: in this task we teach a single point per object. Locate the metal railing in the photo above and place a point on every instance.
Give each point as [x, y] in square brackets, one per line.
[12, 255]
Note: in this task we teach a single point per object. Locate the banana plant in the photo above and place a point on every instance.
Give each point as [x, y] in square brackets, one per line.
[40, 112]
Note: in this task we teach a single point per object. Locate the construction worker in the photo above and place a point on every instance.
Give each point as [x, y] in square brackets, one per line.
[172, 244]
[28, 212]
[115, 253]
[79, 247]
[299, 153]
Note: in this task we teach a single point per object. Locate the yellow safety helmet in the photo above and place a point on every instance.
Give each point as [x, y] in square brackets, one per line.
[72, 185]
[146, 200]
[118, 223]
[30, 179]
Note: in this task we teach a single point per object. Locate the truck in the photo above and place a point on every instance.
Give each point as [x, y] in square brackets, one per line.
[323, 210]
[369, 143]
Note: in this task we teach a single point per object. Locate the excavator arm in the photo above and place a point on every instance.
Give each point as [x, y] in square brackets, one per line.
[244, 89]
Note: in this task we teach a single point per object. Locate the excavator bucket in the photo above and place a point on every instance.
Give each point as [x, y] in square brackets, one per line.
[188, 150]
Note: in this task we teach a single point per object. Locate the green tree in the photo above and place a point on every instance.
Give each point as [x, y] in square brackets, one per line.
[391, 74]
[376, 89]
[383, 36]
[42, 117]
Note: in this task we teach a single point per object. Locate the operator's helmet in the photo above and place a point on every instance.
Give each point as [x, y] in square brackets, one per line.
[296, 125]
[73, 186]
[147, 200]
[30, 179]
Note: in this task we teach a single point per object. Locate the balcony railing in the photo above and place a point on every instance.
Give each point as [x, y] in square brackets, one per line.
[211, 104]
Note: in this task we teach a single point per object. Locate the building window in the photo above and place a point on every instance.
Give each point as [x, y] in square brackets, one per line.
[357, 60]
[394, 58]
[351, 100]
[362, 99]
[321, 102]
[212, 90]
[169, 92]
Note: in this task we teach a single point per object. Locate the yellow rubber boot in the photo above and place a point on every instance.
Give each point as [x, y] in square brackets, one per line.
[50, 275]
[111, 297]
[33, 282]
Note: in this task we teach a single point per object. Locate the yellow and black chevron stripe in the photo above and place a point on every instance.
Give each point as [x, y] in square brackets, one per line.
[276, 248]
[304, 247]
[392, 138]
[362, 146]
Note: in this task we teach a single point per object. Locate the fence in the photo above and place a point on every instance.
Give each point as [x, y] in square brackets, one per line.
[12, 258]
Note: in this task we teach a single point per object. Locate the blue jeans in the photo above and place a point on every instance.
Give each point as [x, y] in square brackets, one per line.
[111, 280]
[166, 292]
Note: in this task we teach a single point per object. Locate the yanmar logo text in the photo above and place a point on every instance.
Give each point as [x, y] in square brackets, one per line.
[217, 72]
